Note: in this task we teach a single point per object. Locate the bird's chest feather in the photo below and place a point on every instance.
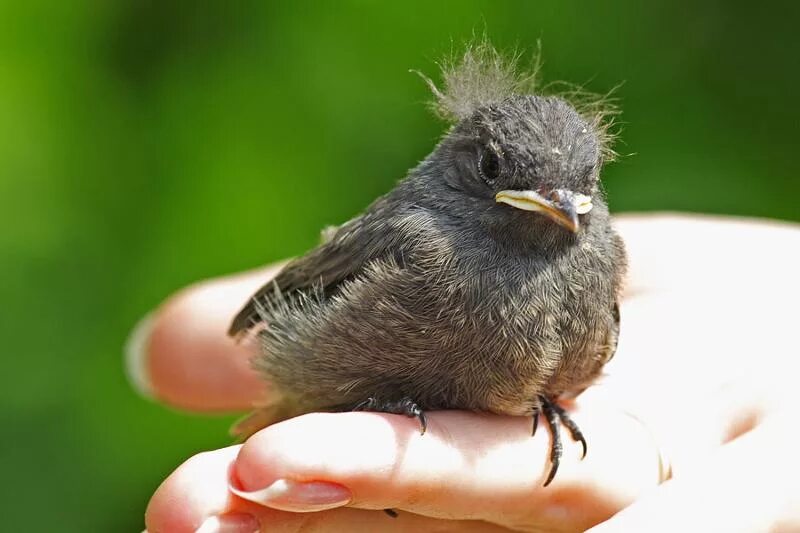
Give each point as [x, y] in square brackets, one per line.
[504, 294]
[503, 316]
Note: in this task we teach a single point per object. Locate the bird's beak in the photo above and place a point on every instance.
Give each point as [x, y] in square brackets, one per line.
[561, 206]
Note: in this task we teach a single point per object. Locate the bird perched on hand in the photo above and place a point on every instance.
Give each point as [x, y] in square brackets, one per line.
[487, 279]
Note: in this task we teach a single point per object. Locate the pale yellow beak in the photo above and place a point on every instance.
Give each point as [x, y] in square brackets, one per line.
[563, 207]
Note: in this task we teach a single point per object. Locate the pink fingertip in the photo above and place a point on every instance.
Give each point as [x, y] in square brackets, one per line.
[299, 497]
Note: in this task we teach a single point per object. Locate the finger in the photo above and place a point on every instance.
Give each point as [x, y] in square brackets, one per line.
[194, 493]
[668, 251]
[750, 485]
[467, 465]
[195, 498]
[182, 355]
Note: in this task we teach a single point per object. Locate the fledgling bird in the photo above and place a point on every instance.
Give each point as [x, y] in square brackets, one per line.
[487, 279]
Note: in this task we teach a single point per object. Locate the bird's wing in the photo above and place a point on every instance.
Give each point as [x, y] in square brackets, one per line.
[353, 245]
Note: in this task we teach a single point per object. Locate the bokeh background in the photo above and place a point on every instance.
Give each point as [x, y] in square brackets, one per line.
[147, 144]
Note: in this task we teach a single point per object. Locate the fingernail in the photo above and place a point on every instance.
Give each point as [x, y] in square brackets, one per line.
[299, 497]
[230, 523]
[136, 357]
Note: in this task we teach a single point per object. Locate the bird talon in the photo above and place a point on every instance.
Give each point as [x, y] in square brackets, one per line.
[554, 413]
[423, 423]
[585, 447]
[405, 406]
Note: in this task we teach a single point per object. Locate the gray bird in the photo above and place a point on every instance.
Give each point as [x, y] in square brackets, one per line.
[487, 279]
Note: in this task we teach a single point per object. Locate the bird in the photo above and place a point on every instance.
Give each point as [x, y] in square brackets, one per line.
[487, 279]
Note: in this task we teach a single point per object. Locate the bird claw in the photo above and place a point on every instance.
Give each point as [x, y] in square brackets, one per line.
[405, 406]
[554, 413]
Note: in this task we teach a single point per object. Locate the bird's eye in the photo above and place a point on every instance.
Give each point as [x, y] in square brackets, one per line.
[489, 165]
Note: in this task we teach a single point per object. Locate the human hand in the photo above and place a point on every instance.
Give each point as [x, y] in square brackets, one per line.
[703, 385]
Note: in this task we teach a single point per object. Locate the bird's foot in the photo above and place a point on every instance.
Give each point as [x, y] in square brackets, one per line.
[405, 406]
[554, 413]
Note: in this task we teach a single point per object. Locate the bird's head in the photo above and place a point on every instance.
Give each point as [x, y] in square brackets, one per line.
[517, 157]
[529, 153]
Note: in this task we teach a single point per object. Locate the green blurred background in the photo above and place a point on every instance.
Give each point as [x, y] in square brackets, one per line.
[148, 144]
